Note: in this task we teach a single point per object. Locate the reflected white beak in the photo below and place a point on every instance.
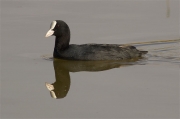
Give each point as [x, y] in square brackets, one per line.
[53, 94]
[49, 33]
[49, 86]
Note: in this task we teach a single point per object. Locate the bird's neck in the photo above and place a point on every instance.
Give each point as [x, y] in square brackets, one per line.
[61, 43]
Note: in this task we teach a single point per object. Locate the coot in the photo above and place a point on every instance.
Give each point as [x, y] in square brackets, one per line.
[64, 50]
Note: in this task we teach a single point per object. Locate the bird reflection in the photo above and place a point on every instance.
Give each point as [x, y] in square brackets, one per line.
[61, 86]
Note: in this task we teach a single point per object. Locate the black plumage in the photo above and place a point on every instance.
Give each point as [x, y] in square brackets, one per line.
[63, 50]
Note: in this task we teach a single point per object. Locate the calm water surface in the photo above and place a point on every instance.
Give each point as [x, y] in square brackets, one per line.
[138, 88]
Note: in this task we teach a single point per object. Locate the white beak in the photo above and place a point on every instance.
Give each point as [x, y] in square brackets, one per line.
[49, 33]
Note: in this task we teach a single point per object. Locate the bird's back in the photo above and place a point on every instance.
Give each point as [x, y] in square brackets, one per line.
[99, 52]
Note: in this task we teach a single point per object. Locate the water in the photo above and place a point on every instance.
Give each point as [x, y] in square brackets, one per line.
[138, 88]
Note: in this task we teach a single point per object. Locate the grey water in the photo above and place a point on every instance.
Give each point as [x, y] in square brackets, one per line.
[139, 88]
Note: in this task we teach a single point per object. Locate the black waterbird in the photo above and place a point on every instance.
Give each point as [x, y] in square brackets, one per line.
[64, 50]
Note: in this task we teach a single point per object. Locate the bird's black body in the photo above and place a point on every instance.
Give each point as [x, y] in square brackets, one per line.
[98, 52]
[63, 50]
